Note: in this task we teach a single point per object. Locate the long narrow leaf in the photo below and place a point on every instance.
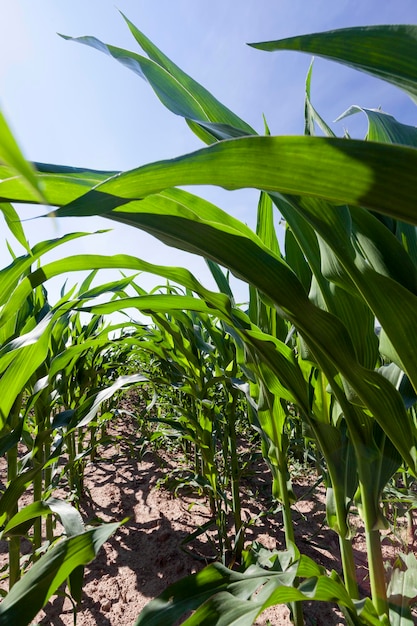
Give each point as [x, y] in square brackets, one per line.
[32, 592]
[11, 157]
[387, 52]
[378, 176]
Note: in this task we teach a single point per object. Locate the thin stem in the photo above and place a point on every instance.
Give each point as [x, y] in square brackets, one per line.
[12, 458]
[348, 566]
[14, 542]
[346, 548]
[285, 499]
[296, 607]
[373, 541]
[235, 473]
[37, 496]
[49, 529]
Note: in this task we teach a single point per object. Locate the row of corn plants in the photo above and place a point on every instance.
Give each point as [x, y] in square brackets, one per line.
[200, 362]
[61, 375]
[309, 339]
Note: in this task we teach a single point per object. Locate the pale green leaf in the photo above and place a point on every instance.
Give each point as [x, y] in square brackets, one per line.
[69, 516]
[11, 157]
[385, 128]
[14, 224]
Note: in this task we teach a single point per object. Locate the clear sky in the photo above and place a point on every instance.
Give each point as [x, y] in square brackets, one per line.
[71, 105]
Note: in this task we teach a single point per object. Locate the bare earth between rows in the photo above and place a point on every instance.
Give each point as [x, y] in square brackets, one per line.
[145, 555]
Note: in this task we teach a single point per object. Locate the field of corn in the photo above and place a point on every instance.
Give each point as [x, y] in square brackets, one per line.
[318, 369]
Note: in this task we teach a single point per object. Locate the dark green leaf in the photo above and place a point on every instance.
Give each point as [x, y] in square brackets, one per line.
[34, 589]
[387, 52]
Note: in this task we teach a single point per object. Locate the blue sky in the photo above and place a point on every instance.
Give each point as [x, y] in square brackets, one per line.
[69, 104]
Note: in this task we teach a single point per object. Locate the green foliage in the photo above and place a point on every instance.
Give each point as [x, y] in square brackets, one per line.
[32, 592]
[308, 346]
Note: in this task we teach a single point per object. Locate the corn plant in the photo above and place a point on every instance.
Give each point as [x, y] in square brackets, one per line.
[350, 261]
[48, 396]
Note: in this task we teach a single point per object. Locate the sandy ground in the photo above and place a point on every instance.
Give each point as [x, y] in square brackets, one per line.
[145, 555]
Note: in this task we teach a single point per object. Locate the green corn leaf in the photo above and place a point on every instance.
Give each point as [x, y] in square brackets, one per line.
[153, 303]
[225, 597]
[222, 281]
[117, 287]
[216, 112]
[387, 52]
[296, 259]
[177, 91]
[19, 360]
[69, 516]
[265, 226]
[400, 381]
[70, 355]
[263, 315]
[88, 410]
[192, 591]
[87, 262]
[248, 260]
[11, 275]
[12, 159]
[338, 452]
[218, 301]
[14, 490]
[385, 465]
[224, 609]
[311, 116]
[67, 264]
[377, 176]
[383, 127]
[14, 224]
[280, 370]
[30, 594]
[11, 439]
[402, 589]
[58, 182]
[380, 177]
[380, 292]
[383, 251]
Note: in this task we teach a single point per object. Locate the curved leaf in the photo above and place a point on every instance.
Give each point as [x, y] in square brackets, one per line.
[69, 516]
[181, 94]
[384, 127]
[378, 176]
[58, 182]
[387, 52]
[11, 157]
[31, 593]
[14, 224]
[232, 247]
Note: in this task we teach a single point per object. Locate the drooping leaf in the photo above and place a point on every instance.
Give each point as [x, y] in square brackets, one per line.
[377, 176]
[30, 594]
[69, 516]
[385, 128]
[192, 591]
[181, 94]
[402, 589]
[387, 52]
[14, 224]
[59, 183]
